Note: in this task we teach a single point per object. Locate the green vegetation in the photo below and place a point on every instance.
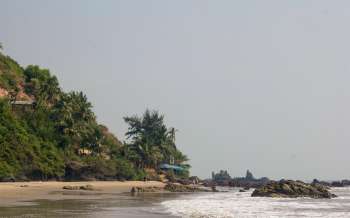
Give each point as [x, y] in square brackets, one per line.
[58, 138]
[151, 142]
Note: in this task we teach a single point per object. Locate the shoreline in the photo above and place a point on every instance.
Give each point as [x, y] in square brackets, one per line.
[20, 193]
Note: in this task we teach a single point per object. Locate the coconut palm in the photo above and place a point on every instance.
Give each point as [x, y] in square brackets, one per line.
[149, 137]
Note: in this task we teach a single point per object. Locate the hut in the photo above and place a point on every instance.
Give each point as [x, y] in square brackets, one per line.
[168, 167]
[23, 106]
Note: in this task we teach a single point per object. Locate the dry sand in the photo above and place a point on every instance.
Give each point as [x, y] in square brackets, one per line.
[17, 193]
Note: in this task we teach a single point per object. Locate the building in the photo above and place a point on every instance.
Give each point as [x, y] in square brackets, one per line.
[23, 106]
[175, 168]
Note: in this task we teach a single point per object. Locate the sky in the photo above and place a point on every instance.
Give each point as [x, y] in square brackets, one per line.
[258, 85]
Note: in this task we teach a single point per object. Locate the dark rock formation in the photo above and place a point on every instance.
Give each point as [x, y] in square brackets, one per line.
[224, 179]
[222, 175]
[342, 183]
[249, 176]
[184, 188]
[292, 189]
[82, 187]
[145, 189]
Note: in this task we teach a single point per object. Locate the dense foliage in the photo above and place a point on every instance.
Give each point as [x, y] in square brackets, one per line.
[151, 142]
[58, 137]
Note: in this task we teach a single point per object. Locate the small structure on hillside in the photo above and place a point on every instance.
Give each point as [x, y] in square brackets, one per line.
[168, 167]
[84, 152]
[23, 106]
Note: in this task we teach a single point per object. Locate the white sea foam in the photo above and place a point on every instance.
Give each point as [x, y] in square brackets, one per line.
[237, 204]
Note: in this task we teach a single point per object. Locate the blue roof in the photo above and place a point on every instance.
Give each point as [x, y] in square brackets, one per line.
[168, 166]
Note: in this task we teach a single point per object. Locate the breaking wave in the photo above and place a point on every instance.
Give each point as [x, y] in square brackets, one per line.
[240, 204]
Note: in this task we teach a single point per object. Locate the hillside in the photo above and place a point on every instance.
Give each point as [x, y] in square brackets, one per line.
[47, 134]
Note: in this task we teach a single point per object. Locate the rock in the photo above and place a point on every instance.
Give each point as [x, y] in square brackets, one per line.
[145, 189]
[76, 187]
[184, 181]
[87, 188]
[172, 187]
[70, 187]
[195, 179]
[293, 189]
[242, 190]
[8, 179]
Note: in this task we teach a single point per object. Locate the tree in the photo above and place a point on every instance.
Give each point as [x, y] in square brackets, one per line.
[41, 84]
[1, 47]
[76, 121]
[150, 141]
[171, 133]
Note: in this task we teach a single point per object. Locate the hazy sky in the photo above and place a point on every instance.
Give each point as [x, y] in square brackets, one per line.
[259, 85]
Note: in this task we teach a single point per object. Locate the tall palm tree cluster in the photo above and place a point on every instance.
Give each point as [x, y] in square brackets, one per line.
[71, 112]
[150, 142]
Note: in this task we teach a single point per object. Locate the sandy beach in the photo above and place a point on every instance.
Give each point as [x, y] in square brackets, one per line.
[20, 193]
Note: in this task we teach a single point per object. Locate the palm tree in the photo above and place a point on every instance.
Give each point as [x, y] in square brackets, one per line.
[151, 139]
[171, 134]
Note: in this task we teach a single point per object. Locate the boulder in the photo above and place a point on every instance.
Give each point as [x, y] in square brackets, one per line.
[82, 187]
[71, 187]
[292, 189]
[87, 188]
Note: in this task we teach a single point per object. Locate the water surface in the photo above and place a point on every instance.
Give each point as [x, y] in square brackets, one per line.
[228, 204]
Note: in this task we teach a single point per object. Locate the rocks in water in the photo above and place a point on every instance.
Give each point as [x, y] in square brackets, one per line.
[224, 179]
[292, 189]
[146, 189]
[341, 183]
[77, 187]
[249, 175]
[193, 180]
[172, 187]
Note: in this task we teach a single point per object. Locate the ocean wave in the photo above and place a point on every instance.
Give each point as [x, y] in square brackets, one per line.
[237, 204]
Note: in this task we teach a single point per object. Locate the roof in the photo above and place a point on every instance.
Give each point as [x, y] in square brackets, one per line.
[174, 167]
[22, 102]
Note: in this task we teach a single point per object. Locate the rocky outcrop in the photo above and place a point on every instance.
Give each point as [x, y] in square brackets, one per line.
[172, 187]
[146, 189]
[292, 189]
[224, 179]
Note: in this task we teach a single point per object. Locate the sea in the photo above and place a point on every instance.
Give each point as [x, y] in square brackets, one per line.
[230, 203]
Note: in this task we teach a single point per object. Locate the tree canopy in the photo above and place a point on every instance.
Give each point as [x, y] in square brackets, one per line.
[151, 142]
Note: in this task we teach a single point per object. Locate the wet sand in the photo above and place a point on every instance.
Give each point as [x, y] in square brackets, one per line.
[22, 193]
